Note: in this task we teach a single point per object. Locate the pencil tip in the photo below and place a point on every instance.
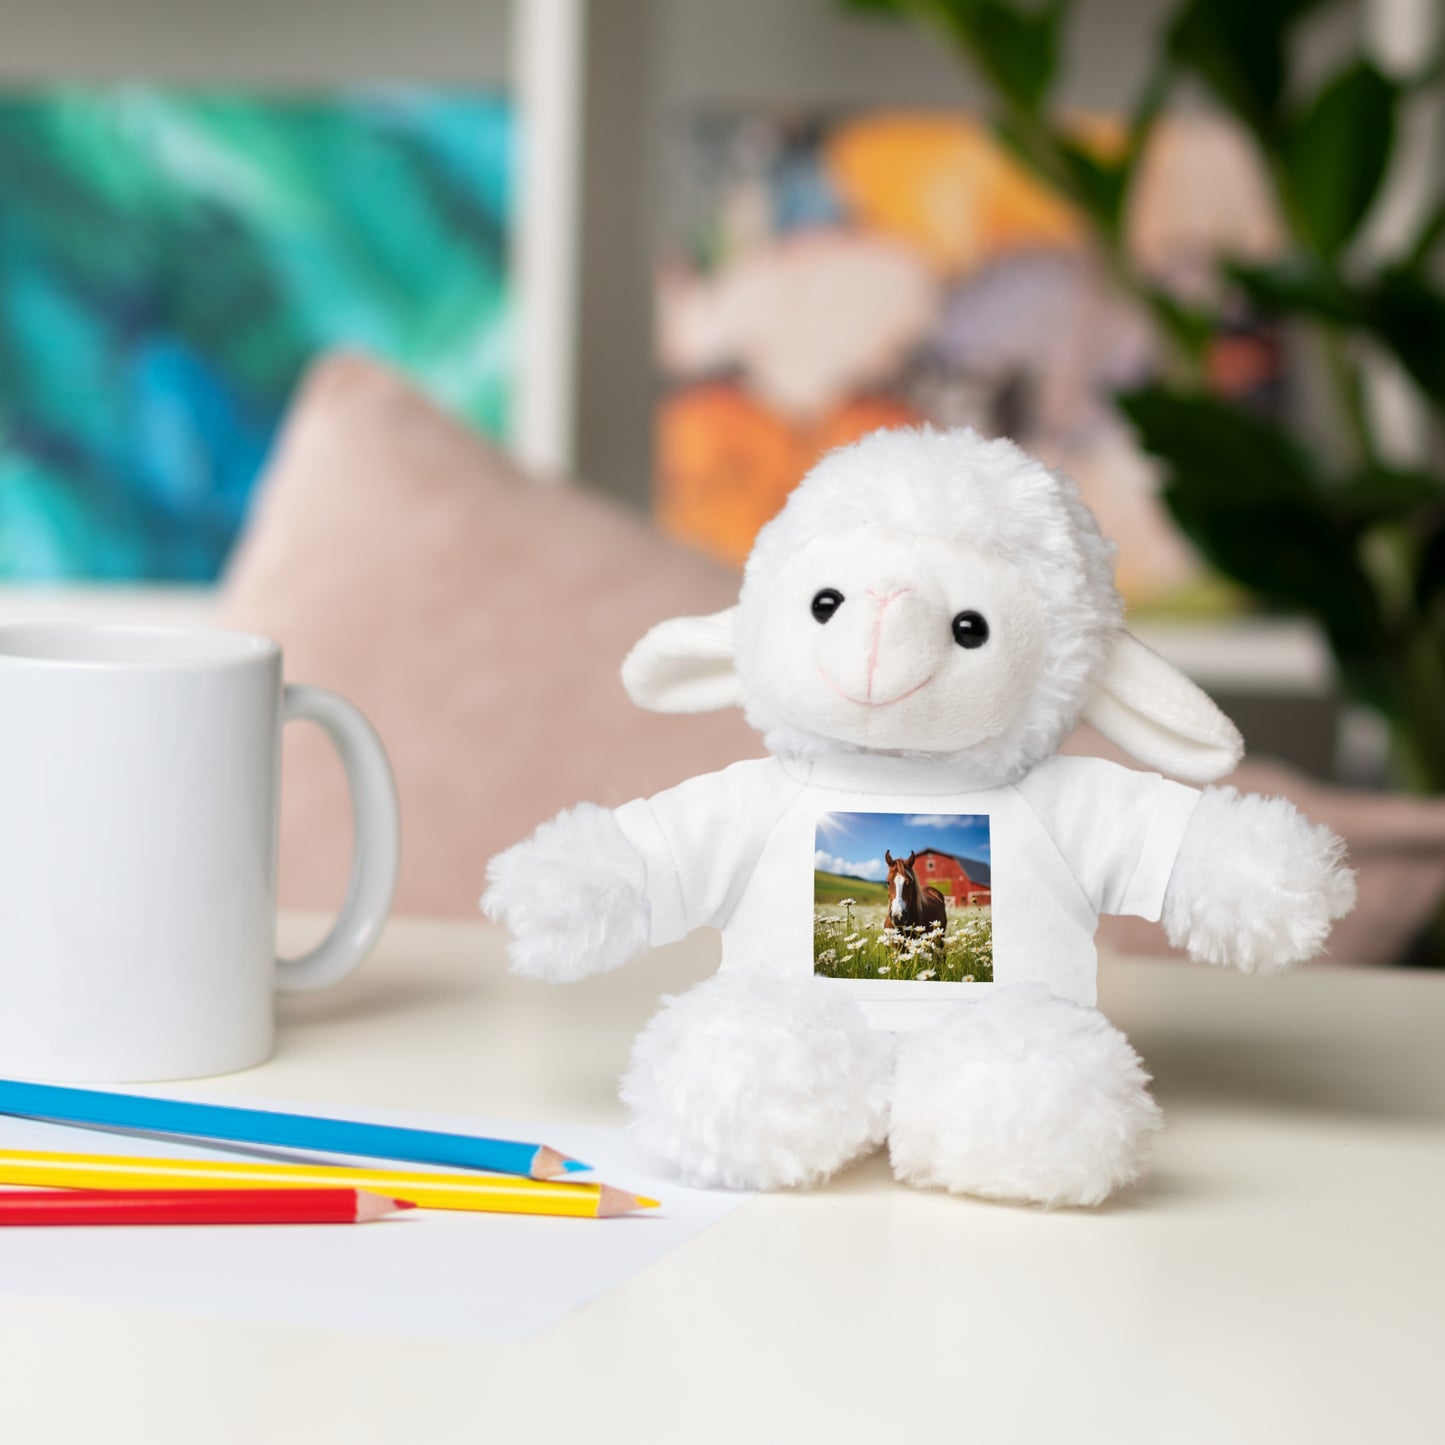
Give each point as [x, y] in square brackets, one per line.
[612, 1201]
[377, 1206]
[548, 1163]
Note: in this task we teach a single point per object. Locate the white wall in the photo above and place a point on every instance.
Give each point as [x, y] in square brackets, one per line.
[812, 53]
[285, 41]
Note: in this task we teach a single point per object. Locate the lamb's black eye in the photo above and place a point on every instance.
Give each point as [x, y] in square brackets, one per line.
[826, 603]
[969, 629]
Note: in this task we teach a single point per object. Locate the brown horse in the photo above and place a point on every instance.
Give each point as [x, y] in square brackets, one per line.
[911, 909]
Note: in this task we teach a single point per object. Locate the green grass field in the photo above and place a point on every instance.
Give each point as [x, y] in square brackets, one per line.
[849, 940]
[833, 888]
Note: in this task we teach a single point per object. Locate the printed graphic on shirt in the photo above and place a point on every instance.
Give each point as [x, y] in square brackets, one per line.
[903, 896]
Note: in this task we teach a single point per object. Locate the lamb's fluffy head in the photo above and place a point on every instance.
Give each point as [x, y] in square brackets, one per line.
[933, 594]
[914, 529]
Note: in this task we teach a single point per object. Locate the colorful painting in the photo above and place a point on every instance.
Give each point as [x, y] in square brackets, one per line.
[903, 898]
[173, 259]
[824, 277]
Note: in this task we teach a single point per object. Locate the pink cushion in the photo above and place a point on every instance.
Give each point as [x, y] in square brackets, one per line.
[477, 618]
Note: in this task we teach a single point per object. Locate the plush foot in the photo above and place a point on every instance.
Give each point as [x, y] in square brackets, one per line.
[757, 1081]
[1023, 1096]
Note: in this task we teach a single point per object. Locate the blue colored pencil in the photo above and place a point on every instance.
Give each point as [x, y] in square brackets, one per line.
[102, 1110]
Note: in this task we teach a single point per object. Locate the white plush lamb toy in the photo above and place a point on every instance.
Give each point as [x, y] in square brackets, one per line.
[918, 630]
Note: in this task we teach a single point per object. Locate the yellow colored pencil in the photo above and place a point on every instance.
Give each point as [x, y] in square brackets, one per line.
[491, 1193]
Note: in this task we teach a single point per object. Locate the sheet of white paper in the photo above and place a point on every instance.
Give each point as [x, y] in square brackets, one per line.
[425, 1272]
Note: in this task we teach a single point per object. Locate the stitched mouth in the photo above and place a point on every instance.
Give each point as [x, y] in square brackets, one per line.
[869, 702]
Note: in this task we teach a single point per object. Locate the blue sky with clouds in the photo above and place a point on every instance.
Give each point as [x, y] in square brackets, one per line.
[854, 843]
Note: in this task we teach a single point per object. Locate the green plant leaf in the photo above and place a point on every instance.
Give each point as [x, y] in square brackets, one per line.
[1287, 554]
[1407, 313]
[1239, 458]
[1378, 492]
[1335, 155]
[1401, 308]
[1304, 286]
[1254, 503]
[1430, 573]
[1238, 48]
[1098, 185]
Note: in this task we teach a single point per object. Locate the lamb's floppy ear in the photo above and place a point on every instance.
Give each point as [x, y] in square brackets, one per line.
[685, 665]
[1156, 714]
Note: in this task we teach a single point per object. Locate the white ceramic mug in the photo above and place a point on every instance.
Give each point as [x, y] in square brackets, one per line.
[139, 791]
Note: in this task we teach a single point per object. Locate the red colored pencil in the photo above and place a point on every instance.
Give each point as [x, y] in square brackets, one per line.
[194, 1206]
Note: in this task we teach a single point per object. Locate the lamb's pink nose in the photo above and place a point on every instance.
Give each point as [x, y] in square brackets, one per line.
[884, 650]
[882, 601]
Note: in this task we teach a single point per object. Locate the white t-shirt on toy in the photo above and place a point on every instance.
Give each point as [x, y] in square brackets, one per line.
[797, 862]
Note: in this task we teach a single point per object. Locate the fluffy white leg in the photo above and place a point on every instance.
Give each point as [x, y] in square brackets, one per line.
[1023, 1096]
[598, 921]
[758, 1081]
[1256, 884]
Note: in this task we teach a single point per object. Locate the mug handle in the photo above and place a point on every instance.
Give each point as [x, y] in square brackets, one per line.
[377, 847]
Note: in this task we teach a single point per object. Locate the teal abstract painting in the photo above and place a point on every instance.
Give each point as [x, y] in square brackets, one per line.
[171, 260]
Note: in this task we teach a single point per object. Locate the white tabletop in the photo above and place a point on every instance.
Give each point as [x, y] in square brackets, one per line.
[1280, 1279]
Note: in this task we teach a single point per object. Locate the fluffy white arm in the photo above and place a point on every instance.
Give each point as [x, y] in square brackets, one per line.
[1256, 884]
[573, 896]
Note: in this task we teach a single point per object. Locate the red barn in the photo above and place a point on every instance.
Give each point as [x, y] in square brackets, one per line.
[964, 882]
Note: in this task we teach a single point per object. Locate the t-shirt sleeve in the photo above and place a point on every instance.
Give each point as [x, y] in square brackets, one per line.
[701, 841]
[1118, 830]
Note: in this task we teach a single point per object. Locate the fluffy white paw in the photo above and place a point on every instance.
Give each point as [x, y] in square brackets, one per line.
[1256, 884]
[1024, 1096]
[757, 1081]
[573, 896]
